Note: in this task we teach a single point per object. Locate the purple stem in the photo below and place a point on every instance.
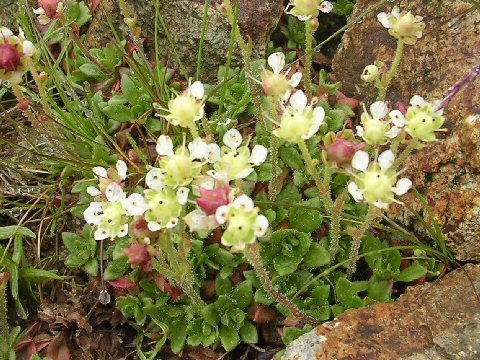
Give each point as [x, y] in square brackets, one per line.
[459, 85]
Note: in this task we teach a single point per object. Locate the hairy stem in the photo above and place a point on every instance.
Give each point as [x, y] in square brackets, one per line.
[412, 145]
[308, 59]
[273, 185]
[372, 213]
[252, 253]
[384, 85]
[335, 225]
[193, 131]
[4, 329]
[311, 165]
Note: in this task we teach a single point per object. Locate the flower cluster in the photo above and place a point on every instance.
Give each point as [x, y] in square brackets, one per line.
[14, 51]
[308, 9]
[276, 84]
[195, 171]
[376, 182]
[376, 129]
[403, 26]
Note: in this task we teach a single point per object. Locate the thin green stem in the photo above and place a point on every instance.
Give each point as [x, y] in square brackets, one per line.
[193, 131]
[372, 214]
[202, 39]
[311, 165]
[412, 145]
[308, 59]
[385, 84]
[273, 185]
[4, 329]
[335, 228]
[252, 253]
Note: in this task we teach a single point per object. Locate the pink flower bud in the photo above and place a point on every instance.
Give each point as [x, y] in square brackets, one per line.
[341, 151]
[138, 255]
[402, 107]
[9, 57]
[210, 200]
[49, 6]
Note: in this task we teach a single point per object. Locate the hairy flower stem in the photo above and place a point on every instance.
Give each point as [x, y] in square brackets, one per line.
[323, 191]
[273, 185]
[193, 131]
[412, 145]
[252, 253]
[385, 84]
[372, 214]
[308, 59]
[4, 329]
[335, 225]
[246, 54]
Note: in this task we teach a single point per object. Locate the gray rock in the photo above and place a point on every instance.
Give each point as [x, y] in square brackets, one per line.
[439, 320]
[183, 19]
[446, 172]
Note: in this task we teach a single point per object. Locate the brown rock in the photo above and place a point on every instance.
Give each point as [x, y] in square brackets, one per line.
[444, 315]
[447, 171]
[183, 19]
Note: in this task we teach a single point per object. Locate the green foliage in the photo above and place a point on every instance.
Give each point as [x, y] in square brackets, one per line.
[82, 249]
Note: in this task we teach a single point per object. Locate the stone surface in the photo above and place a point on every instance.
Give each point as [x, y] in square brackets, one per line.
[447, 171]
[183, 18]
[439, 320]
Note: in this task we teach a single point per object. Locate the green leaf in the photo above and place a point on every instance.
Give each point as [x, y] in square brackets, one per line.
[116, 269]
[17, 249]
[223, 286]
[243, 294]
[306, 220]
[91, 267]
[262, 297]
[38, 275]
[248, 333]
[229, 338]
[317, 256]
[6, 232]
[292, 158]
[347, 294]
[292, 333]
[413, 272]
[91, 71]
[118, 113]
[177, 335]
[378, 289]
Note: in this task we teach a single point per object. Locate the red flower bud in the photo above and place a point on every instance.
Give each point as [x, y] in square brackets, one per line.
[138, 255]
[49, 6]
[9, 57]
[341, 151]
[210, 200]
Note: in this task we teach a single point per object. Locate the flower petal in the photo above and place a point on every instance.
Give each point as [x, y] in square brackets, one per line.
[101, 234]
[298, 101]
[243, 202]
[154, 226]
[381, 205]
[393, 132]
[135, 205]
[318, 115]
[232, 138]
[197, 90]
[261, 225]
[221, 214]
[123, 231]
[197, 149]
[154, 179]
[360, 161]
[28, 48]
[403, 185]
[379, 109]
[182, 195]
[259, 155]
[383, 18]
[417, 101]
[244, 173]
[164, 146]
[213, 153]
[355, 191]
[276, 62]
[114, 192]
[100, 171]
[121, 169]
[360, 130]
[397, 118]
[93, 191]
[172, 223]
[386, 159]
[92, 214]
[295, 79]
[326, 7]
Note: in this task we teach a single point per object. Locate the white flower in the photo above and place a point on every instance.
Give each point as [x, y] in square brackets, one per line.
[154, 179]
[275, 83]
[299, 121]
[423, 119]
[259, 155]
[370, 73]
[135, 205]
[376, 130]
[232, 138]
[375, 183]
[213, 153]
[197, 149]
[402, 26]
[308, 9]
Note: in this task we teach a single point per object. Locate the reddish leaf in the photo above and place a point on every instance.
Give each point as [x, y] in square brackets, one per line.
[58, 348]
[122, 283]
